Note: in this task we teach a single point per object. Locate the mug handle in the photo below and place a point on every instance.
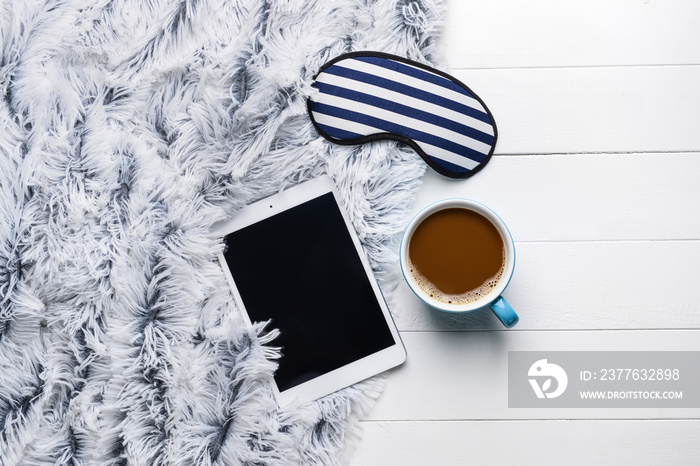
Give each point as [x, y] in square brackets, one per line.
[504, 312]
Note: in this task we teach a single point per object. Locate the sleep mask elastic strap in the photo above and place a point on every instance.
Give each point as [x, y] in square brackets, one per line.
[368, 96]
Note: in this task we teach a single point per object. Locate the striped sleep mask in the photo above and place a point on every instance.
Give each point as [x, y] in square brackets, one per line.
[367, 96]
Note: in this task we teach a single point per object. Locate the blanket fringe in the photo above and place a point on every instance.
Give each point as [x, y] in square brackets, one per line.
[127, 129]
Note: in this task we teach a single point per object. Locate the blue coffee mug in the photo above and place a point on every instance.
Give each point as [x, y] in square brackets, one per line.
[493, 299]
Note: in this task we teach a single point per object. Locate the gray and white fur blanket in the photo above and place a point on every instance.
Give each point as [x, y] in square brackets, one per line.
[127, 129]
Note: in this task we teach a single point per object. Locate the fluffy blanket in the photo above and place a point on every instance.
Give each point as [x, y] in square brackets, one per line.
[127, 128]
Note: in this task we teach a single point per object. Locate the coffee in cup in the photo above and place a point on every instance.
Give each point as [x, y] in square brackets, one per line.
[457, 256]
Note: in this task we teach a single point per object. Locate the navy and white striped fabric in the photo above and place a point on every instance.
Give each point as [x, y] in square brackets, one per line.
[367, 96]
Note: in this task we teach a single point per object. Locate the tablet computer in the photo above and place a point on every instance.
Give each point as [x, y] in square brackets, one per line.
[295, 259]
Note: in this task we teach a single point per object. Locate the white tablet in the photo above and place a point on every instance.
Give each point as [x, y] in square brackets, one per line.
[295, 259]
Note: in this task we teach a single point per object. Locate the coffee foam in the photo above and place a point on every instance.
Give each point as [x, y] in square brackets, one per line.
[466, 298]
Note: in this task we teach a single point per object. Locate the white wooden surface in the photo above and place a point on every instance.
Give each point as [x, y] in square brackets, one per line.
[597, 174]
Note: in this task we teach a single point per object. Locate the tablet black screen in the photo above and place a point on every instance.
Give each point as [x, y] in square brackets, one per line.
[300, 269]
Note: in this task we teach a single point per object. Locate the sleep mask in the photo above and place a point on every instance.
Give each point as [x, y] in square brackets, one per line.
[368, 96]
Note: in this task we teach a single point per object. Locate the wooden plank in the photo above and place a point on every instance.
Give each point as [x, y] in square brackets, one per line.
[582, 285]
[529, 442]
[464, 375]
[574, 110]
[552, 33]
[606, 218]
[600, 221]
[584, 197]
